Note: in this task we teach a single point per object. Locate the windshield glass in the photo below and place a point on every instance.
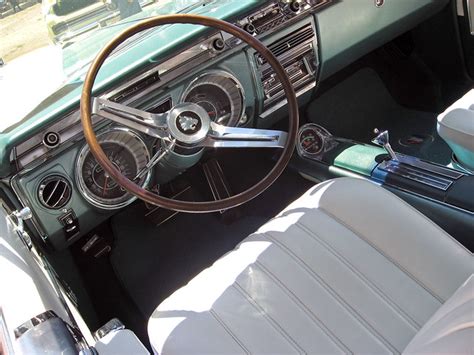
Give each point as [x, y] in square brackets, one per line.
[46, 43]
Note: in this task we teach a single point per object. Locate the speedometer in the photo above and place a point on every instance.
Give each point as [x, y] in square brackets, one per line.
[220, 94]
[128, 153]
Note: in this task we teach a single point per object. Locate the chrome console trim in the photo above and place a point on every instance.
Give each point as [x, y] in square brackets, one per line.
[437, 176]
[416, 174]
[432, 167]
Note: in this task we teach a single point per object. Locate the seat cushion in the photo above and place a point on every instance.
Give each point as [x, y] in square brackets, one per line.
[451, 329]
[456, 127]
[348, 267]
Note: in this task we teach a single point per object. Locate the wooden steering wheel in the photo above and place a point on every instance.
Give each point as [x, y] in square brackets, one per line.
[188, 123]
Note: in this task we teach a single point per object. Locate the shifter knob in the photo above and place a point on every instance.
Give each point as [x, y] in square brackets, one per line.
[382, 139]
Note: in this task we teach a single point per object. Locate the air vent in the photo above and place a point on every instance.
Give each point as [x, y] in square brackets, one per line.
[54, 192]
[290, 42]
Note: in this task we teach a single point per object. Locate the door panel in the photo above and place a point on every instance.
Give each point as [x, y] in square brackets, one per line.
[25, 288]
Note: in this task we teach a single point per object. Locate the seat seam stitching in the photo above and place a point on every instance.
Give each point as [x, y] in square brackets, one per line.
[413, 277]
[319, 323]
[228, 330]
[413, 323]
[274, 324]
[334, 294]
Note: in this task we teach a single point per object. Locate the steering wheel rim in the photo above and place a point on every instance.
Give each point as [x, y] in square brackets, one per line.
[177, 205]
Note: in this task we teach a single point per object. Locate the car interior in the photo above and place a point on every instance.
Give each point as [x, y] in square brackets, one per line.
[261, 177]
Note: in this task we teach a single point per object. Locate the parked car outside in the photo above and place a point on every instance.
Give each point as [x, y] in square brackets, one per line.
[68, 19]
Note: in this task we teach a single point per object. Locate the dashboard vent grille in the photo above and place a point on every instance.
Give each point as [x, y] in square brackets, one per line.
[54, 192]
[290, 42]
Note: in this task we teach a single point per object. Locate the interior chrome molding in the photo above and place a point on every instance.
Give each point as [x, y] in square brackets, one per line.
[282, 103]
[470, 14]
[224, 74]
[437, 176]
[81, 185]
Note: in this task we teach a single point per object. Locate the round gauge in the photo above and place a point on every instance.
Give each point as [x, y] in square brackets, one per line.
[127, 152]
[311, 139]
[220, 94]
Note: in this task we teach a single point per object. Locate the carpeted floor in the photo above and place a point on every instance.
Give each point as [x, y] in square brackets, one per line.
[357, 105]
[152, 262]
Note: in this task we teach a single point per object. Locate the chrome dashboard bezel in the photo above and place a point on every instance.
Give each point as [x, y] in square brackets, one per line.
[84, 191]
[225, 74]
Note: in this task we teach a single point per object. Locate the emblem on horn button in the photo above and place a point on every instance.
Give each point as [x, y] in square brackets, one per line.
[188, 122]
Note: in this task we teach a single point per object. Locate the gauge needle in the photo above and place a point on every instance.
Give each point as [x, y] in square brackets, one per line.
[105, 184]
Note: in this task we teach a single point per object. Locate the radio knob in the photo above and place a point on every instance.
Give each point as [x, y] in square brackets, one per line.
[250, 28]
[295, 6]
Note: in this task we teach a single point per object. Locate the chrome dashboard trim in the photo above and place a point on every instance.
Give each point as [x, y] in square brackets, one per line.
[169, 65]
[283, 102]
[80, 181]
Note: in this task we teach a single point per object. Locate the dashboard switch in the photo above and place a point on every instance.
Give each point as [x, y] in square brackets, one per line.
[70, 224]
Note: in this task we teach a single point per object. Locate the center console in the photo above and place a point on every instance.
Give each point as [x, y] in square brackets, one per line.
[443, 194]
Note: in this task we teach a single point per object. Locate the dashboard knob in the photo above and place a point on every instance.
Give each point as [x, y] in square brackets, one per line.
[250, 28]
[218, 44]
[295, 6]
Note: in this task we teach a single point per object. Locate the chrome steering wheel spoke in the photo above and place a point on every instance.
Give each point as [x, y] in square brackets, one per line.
[149, 123]
[220, 136]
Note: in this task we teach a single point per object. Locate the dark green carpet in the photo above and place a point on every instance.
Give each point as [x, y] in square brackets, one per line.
[353, 108]
[152, 262]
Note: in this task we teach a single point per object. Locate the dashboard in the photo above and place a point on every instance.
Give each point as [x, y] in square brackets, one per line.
[53, 172]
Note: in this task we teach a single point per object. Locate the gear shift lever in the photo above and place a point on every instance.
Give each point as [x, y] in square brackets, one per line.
[382, 140]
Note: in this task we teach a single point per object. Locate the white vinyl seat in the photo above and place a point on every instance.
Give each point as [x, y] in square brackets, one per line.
[346, 268]
[456, 127]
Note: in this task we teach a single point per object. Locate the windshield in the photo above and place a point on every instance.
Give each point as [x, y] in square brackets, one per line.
[46, 43]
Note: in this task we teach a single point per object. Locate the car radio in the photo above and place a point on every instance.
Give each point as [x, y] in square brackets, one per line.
[278, 13]
[298, 55]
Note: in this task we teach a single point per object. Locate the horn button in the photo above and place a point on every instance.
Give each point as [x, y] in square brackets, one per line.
[188, 123]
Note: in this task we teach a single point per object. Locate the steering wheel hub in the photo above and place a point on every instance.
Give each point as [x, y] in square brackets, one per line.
[188, 123]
